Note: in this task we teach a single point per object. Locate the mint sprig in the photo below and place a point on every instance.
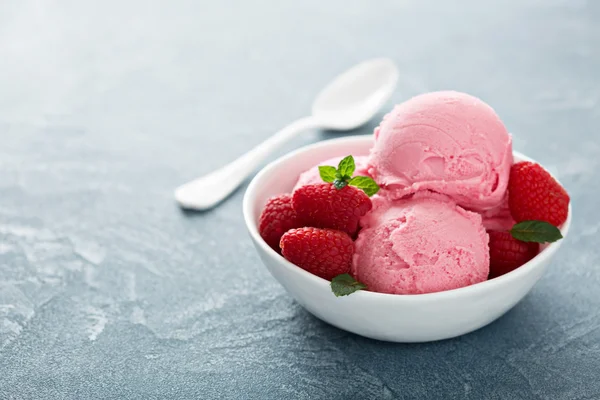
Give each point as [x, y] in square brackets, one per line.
[365, 183]
[346, 167]
[342, 176]
[327, 173]
[536, 231]
[345, 284]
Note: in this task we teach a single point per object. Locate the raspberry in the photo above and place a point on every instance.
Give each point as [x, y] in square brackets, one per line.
[277, 218]
[508, 253]
[324, 206]
[324, 252]
[533, 194]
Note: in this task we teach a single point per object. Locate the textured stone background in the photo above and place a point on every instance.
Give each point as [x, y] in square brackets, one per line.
[108, 290]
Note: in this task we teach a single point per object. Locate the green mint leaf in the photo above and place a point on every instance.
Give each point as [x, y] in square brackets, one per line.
[340, 183]
[365, 183]
[346, 167]
[535, 231]
[327, 173]
[344, 284]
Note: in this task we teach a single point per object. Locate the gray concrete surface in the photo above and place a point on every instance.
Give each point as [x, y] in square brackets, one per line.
[109, 291]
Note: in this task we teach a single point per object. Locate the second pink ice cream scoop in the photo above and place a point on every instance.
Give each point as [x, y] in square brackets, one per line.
[422, 244]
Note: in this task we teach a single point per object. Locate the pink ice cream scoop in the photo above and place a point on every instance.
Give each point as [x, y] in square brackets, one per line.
[422, 244]
[312, 177]
[448, 142]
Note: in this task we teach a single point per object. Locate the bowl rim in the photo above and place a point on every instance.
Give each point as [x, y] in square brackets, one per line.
[506, 279]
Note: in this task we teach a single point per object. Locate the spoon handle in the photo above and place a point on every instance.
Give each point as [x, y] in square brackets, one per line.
[207, 191]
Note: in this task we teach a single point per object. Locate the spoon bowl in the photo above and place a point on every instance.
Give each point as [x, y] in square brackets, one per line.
[396, 318]
[355, 96]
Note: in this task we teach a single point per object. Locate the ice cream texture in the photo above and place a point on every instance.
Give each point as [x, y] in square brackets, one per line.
[421, 244]
[312, 177]
[448, 142]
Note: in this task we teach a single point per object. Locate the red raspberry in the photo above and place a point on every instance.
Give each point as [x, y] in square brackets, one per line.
[533, 194]
[277, 218]
[324, 252]
[508, 253]
[324, 206]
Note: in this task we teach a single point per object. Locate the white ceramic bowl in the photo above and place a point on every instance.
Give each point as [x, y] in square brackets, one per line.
[396, 318]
